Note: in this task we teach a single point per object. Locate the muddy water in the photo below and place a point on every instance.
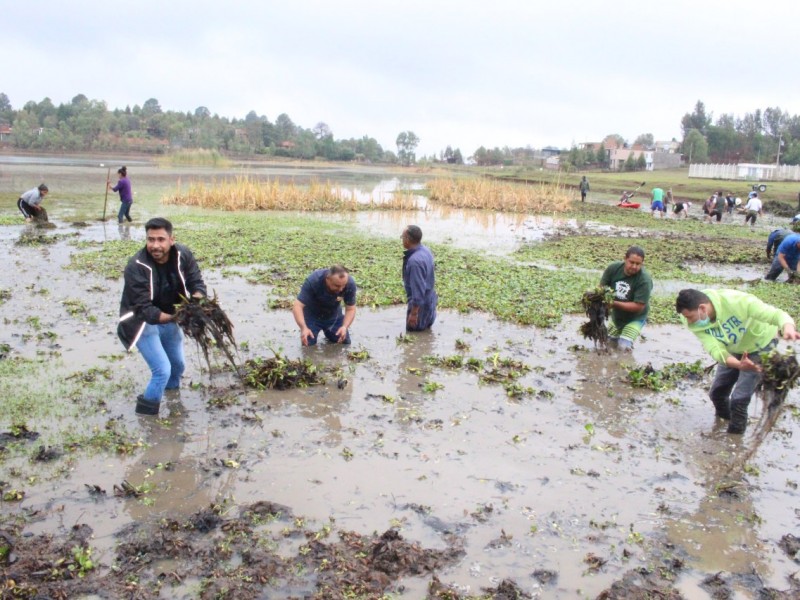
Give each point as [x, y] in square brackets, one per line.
[585, 465]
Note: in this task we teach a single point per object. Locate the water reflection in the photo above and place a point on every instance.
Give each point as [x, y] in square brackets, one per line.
[124, 230]
[173, 478]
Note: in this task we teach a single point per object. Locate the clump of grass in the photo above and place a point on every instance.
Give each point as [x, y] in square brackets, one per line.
[500, 196]
[198, 157]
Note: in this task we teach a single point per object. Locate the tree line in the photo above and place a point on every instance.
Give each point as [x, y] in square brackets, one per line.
[89, 125]
[768, 136]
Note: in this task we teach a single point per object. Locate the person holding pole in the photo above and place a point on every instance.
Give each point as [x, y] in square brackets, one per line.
[125, 194]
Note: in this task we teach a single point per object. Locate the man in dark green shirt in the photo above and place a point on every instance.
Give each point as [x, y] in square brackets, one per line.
[632, 287]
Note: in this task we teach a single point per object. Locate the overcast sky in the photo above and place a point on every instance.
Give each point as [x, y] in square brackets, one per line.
[461, 73]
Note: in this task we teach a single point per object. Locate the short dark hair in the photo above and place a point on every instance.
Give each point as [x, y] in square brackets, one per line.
[690, 299]
[414, 234]
[43, 188]
[337, 270]
[158, 223]
[637, 250]
[123, 171]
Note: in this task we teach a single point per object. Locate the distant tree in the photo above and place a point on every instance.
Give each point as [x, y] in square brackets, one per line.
[79, 99]
[697, 119]
[407, 142]
[201, 112]
[641, 162]
[457, 157]
[617, 138]
[151, 107]
[602, 156]
[5, 103]
[695, 147]
[285, 129]
[630, 163]
[321, 130]
[645, 139]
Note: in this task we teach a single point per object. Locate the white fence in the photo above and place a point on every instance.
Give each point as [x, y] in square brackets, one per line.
[746, 171]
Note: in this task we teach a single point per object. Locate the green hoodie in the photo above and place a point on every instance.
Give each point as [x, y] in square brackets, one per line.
[743, 324]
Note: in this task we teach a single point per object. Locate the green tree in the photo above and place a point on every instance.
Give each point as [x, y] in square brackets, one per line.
[641, 162]
[407, 142]
[697, 119]
[630, 163]
[602, 156]
[645, 139]
[151, 107]
[695, 147]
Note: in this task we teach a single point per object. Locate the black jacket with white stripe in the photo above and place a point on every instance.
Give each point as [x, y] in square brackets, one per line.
[136, 307]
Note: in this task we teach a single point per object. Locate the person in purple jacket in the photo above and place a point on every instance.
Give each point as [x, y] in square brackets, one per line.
[419, 280]
[125, 194]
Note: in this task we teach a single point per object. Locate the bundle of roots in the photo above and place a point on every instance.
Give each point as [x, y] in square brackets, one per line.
[597, 304]
[781, 372]
[281, 373]
[203, 320]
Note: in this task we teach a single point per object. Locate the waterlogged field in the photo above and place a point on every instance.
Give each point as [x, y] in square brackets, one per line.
[497, 456]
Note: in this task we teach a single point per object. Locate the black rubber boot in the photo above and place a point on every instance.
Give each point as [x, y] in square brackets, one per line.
[738, 417]
[723, 408]
[143, 407]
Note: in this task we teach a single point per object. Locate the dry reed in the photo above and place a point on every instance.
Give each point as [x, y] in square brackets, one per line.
[246, 193]
[500, 196]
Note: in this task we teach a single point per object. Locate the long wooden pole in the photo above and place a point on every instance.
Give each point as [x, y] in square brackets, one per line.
[105, 202]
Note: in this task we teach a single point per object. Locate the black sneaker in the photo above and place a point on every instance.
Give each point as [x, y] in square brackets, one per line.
[143, 407]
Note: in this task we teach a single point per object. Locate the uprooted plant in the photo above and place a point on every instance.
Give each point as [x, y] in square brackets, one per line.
[281, 373]
[203, 320]
[665, 378]
[597, 304]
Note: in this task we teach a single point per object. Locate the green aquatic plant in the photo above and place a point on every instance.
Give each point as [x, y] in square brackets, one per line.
[665, 378]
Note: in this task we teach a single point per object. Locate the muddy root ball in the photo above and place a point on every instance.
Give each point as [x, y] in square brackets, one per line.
[780, 374]
[203, 320]
[596, 303]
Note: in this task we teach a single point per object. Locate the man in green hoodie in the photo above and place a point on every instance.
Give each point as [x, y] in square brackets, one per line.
[735, 328]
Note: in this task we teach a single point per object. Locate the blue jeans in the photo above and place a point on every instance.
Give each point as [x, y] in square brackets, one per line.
[328, 326]
[161, 347]
[124, 211]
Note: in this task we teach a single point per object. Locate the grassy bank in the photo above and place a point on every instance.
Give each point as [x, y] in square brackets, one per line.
[784, 192]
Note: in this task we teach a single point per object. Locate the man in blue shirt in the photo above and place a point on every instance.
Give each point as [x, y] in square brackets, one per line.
[419, 280]
[775, 238]
[318, 306]
[785, 258]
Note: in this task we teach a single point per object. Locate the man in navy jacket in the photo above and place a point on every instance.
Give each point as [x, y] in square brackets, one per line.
[419, 280]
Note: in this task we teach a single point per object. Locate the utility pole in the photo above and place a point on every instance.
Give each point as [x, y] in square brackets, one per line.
[780, 143]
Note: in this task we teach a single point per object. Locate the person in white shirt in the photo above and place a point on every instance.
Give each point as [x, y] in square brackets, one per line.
[752, 209]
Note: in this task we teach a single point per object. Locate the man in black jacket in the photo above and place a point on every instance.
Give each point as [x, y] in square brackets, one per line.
[156, 278]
